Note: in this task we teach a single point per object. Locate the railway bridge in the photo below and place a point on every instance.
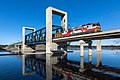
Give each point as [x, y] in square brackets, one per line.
[46, 35]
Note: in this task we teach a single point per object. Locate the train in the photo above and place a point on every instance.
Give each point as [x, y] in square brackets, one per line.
[83, 29]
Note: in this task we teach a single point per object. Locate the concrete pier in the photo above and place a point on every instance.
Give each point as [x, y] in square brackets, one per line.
[90, 48]
[82, 47]
[48, 30]
[98, 45]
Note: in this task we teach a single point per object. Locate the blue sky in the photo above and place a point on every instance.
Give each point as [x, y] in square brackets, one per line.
[17, 13]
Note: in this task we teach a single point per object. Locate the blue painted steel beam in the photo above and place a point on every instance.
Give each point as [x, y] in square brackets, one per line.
[39, 36]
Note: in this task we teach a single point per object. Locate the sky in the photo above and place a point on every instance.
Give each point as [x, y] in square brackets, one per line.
[14, 14]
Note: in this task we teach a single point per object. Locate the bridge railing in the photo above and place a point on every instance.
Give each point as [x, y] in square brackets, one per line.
[39, 36]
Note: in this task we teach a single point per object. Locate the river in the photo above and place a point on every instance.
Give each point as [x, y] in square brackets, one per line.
[103, 65]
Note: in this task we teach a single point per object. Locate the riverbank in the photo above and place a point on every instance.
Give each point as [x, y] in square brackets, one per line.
[1, 49]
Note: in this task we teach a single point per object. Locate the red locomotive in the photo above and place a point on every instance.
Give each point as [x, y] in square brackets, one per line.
[83, 29]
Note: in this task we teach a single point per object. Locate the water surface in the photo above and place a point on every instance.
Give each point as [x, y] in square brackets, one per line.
[34, 67]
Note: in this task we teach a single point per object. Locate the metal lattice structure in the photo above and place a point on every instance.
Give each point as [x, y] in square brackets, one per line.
[39, 36]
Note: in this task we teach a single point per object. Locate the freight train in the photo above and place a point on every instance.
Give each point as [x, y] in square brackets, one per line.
[83, 29]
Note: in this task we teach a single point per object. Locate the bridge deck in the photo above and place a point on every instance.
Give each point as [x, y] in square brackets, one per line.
[93, 36]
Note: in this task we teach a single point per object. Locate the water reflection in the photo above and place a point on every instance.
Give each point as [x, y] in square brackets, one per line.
[98, 58]
[58, 67]
[90, 59]
[81, 64]
[24, 66]
[48, 67]
[32, 65]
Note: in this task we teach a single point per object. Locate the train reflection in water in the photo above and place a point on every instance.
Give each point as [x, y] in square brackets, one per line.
[57, 67]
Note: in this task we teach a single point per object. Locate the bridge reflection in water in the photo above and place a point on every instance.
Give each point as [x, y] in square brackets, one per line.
[57, 67]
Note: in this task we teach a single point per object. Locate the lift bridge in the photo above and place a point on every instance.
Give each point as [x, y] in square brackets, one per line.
[39, 36]
[45, 35]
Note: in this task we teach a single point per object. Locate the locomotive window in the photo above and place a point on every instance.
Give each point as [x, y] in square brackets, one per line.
[94, 25]
[98, 24]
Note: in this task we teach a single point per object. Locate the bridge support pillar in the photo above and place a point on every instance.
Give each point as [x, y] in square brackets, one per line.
[48, 30]
[81, 64]
[90, 48]
[82, 47]
[98, 45]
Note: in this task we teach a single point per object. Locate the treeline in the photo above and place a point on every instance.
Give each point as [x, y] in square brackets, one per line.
[2, 47]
